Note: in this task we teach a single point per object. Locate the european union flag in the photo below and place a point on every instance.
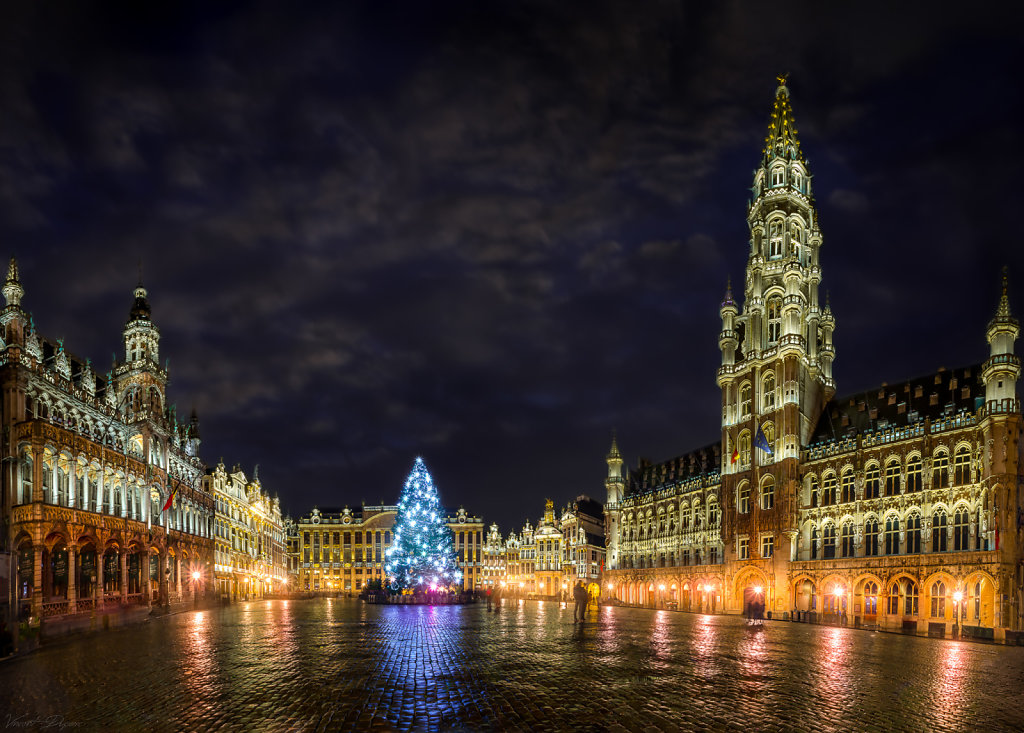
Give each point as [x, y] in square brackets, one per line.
[762, 442]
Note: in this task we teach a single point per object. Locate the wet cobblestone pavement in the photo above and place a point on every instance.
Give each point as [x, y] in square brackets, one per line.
[342, 665]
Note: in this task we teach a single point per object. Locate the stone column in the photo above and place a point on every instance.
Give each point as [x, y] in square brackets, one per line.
[123, 559]
[100, 559]
[162, 578]
[147, 583]
[37, 580]
[177, 574]
[72, 578]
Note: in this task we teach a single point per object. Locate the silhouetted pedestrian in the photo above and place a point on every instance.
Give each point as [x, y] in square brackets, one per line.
[580, 595]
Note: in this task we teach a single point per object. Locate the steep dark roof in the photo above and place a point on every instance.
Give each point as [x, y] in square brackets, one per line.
[932, 396]
[590, 507]
[695, 464]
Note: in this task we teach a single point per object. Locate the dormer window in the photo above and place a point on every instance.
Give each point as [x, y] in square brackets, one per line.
[798, 180]
[778, 176]
[775, 239]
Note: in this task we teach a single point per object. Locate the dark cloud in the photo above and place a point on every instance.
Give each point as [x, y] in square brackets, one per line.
[490, 233]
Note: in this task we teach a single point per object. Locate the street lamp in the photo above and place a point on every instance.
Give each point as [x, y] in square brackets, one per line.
[957, 597]
[195, 588]
[838, 593]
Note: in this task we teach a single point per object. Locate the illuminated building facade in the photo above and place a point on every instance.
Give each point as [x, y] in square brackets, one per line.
[249, 539]
[895, 508]
[494, 558]
[90, 461]
[343, 550]
[583, 550]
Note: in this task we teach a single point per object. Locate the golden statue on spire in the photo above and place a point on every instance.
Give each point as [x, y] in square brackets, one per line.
[782, 79]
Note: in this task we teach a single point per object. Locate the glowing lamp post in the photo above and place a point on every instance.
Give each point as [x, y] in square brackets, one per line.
[838, 593]
[957, 597]
[195, 588]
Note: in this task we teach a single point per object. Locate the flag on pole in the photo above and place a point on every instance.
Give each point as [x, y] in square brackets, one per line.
[762, 442]
[735, 455]
[170, 497]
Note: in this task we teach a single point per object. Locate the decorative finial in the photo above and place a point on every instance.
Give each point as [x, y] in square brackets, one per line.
[782, 79]
[12, 289]
[1004, 299]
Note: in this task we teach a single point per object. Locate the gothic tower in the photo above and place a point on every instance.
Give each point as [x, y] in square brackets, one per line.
[616, 487]
[777, 353]
[1000, 427]
[140, 382]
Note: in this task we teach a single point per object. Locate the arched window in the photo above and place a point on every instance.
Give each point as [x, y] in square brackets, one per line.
[775, 239]
[894, 600]
[774, 320]
[939, 525]
[914, 534]
[870, 598]
[813, 488]
[871, 538]
[768, 391]
[938, 599]
[63, 481]
[684, 517]
[829, 541]
[961, 466]
[910, 605]
[769, 436]
[768, 492]
[713, 516]
[892, 535]
[847, 548]
[25, 485]
[778, 176]
[745, 399]
[961, 530]
[892, 477]
[116, 510]
[796, 238]
[798, 180]
[744, 448]
[828, 489]
[743, 498]
[846, 485]
[49, 495]
[814, 543]
[914, 473]
[940, 470]
[94, 490]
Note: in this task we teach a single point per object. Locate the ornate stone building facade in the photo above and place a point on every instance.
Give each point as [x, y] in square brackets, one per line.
[343, 550]
[90, 462]
[895, 508]
[249, 541]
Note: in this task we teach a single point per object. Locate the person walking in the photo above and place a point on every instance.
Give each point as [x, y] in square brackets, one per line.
[580, 595]
[488, 594]
[497, 598]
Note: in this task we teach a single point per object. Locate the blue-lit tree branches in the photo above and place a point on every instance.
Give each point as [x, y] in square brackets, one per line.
[422, 554]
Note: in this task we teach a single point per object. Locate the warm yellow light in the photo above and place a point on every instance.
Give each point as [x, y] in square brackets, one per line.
[522, 584]
[661, 587]
[195, 575]
[957, 596]
[541, 584]
[700, 588]
[758, 589]
[611, 586]
[837, 592]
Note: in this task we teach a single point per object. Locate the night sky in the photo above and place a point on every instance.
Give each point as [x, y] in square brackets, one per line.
[491, 233]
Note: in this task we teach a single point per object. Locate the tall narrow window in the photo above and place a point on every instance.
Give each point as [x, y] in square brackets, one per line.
[894, 600]
[25, 495]
[744, 446]
[828, 489]
[774, 320]
[745, 399]
[910, 606]
[939, 526]
[775, 239]
[914, 474]
[768, 492]
[940, 470]
[743, 499]
[892, 477]
[768, 391]
[814, 543]
[961, 466]
[847, 540]
[871, 538]
[938, 599]
[813, 488]
[846, 485]
[914, 534]
[961, 530]
[798, 180]
[892, 536]
[830, 541]
[870, 598]
[778, 176]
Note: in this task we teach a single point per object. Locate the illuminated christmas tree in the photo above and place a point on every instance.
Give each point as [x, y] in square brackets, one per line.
[422, 554]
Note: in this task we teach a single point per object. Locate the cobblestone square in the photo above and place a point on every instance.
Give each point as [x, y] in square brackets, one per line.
[342, 665]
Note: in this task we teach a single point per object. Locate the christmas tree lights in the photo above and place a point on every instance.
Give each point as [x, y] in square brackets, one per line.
[422, 554]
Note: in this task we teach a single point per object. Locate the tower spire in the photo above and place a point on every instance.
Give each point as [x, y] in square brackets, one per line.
[782, 141]
[1003, 311]
[12, 290]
